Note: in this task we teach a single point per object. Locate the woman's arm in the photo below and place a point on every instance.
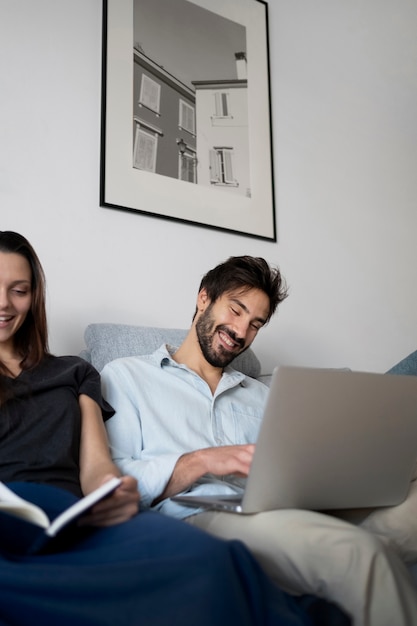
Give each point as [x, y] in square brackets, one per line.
[96, 467]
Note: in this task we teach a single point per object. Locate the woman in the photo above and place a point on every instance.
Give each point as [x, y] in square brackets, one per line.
[148, 570]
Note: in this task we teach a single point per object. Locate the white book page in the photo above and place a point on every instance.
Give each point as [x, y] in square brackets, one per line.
[15, 505]
[82, 505]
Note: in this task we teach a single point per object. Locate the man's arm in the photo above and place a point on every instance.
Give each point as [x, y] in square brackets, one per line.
[219, 461]
[142, 415]
[124, 431]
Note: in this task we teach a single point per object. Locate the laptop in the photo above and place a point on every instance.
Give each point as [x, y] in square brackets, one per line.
[329, 440]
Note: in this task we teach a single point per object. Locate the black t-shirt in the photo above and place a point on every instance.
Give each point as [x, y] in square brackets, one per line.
[40, 427]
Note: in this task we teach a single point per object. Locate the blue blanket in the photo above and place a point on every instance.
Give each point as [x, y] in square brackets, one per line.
[151, 571]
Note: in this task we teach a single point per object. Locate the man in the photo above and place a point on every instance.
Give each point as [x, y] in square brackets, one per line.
[186, 421]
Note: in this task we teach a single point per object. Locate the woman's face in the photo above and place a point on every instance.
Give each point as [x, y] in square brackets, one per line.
[15, 295]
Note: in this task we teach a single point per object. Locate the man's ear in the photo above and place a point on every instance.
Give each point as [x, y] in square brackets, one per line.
[202, 300]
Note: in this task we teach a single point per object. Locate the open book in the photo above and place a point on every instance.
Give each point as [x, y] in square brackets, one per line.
[37, 529]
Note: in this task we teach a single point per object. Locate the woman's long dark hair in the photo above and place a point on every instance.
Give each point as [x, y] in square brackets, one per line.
[31, 339]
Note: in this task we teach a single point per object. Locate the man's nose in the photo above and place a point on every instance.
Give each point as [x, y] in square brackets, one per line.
[242, 327]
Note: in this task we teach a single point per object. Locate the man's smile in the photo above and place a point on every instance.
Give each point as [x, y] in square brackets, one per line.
[227, 340]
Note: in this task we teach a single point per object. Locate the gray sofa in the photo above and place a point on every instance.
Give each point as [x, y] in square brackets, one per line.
[106, 342]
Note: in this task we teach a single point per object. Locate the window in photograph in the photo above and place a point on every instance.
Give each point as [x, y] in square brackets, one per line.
[221, 166]
[221, 103]
[188, 167]
[187, 117]
[144, 149]
[150, 93]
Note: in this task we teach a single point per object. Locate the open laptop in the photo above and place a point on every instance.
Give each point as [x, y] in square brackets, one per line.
[329, 439]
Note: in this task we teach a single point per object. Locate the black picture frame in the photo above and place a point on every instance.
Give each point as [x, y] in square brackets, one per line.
[186, 131]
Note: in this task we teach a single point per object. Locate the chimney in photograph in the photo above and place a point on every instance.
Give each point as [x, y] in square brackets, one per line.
[241, 65]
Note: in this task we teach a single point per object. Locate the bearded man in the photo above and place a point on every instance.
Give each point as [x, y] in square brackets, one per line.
[186, 421]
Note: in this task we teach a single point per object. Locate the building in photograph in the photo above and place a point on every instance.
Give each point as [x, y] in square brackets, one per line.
[199, 133]
[164, 136]
[222, 131]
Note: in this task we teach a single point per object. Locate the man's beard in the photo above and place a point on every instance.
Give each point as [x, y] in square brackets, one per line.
[205, 333]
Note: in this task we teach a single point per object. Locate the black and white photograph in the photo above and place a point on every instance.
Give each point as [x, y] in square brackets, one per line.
[186, 109]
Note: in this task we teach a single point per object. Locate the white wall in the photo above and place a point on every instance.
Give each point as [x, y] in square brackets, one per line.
[344, 94]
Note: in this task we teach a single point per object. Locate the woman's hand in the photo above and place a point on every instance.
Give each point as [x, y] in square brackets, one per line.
[120, 506]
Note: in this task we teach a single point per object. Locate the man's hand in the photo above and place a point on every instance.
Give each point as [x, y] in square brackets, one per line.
[226, 459]
[218, 461]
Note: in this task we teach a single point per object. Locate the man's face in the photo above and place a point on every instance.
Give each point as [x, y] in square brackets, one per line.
[227, 327]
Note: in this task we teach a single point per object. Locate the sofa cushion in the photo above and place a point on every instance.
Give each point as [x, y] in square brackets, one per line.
[408, 365]
[106, 342]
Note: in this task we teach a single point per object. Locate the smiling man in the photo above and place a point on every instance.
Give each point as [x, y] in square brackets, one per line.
[187, 421]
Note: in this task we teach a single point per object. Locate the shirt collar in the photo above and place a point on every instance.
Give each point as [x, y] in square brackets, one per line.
[230, 377]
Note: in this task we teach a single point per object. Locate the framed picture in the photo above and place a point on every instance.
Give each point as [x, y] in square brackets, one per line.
[186, 113]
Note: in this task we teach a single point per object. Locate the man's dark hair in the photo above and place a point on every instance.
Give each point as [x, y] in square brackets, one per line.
[246, 272]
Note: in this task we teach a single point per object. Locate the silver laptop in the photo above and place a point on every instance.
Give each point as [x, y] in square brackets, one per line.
[329, 439]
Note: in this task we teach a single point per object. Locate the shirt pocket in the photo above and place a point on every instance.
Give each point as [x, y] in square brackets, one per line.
[246, 421]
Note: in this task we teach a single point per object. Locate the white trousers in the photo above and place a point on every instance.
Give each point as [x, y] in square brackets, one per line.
[308, 552]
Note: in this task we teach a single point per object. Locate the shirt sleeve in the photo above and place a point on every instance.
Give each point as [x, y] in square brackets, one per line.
[125, 436]
[90, 385]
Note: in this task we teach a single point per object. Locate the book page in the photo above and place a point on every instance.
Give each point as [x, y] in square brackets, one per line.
[82, 506]
[15, 505]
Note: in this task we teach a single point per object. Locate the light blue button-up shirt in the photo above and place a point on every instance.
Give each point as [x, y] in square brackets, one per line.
[164, 409]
